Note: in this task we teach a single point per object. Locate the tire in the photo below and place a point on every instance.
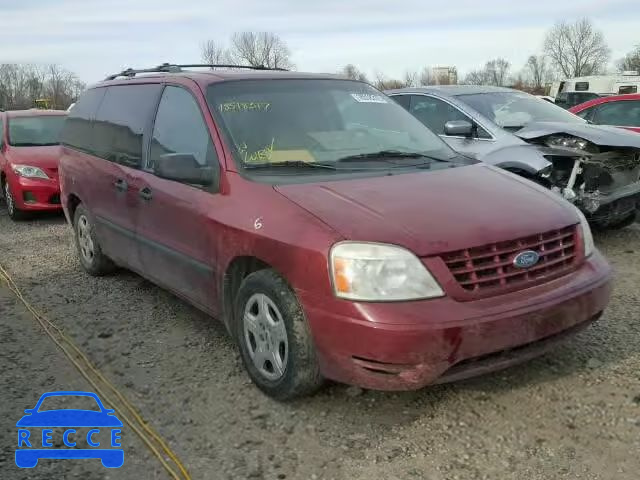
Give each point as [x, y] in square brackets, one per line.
[620, 224]
[294, 368]
[90, 254]
[14, 212]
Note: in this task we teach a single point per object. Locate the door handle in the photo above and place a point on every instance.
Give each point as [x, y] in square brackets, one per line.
[146, 194]
[121, 185]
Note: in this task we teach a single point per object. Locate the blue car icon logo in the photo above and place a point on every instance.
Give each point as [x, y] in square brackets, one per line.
[96, 428]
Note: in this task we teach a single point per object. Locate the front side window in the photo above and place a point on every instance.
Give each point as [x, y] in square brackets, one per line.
[623, 113]
[35, 131]
[124, 113]
[435, 113]
[587, 113]
[318, 122]
[403, 100]
[179, 129]
[514, 110]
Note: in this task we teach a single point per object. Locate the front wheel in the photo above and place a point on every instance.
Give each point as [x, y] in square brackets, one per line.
[14, 212]
[274, 338]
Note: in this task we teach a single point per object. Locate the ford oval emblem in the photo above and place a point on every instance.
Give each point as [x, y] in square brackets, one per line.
[526, 259]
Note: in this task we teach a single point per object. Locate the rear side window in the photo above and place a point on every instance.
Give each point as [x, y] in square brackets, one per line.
[582, 86]
[77, 128]
[623, 114]
[179, 129]
[124, 114]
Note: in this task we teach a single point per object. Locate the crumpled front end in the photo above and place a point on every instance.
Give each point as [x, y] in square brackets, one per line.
[602, 180]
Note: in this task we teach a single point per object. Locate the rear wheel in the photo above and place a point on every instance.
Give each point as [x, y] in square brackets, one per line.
[91, 257]
[14, 212]
[274, 338]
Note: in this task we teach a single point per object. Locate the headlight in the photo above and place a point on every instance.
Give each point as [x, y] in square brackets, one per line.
[29, 172]
[379, 272]
[567, 141]
[587, 237]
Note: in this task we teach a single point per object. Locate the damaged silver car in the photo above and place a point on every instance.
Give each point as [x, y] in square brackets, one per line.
[595, 167]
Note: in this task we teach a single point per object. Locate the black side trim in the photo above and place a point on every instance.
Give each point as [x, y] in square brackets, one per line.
[158, 246]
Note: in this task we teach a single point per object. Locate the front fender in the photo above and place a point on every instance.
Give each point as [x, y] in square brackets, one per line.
[527, 158]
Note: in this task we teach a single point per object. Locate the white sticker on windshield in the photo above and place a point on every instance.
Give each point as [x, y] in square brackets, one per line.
[368, 98]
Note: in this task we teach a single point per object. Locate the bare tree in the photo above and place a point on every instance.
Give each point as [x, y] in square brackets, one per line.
[352, 72]
[214, 53]
[411, 79]
[261, 49]
[498, 71]
[21, 85]
[631, 61]
[495, 72]
[427, 77]
[577, 49]
[382, 82]
[477, 77]
[538, 70]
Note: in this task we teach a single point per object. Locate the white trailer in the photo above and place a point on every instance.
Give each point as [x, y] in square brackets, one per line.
[618, 84]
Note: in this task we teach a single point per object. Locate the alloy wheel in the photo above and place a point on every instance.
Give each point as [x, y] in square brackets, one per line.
[84, 239]
[265, 336]
[8, 198]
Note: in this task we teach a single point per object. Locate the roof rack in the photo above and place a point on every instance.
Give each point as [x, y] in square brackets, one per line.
[172, 68]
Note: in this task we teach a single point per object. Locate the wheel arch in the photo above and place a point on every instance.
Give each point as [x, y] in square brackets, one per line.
[72, 203]
[237, 270]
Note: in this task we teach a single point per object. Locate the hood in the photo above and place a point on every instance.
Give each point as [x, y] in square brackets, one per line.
[597, 134]
[69, 418]
[435, 212]
[47, 157]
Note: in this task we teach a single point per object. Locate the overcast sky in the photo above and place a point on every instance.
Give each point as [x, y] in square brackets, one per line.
[95, 38]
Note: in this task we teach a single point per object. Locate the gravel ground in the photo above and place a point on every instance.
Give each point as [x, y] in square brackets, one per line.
[573, 414]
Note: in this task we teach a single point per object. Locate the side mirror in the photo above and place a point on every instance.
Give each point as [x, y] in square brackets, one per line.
[29, 410]
[183, 167]
[458, 128]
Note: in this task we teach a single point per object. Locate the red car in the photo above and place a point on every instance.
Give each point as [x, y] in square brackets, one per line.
[616, 110]
[29, 156]
[333, 234]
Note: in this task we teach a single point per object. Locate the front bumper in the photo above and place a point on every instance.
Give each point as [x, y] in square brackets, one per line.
[35, 194]
[407, 345]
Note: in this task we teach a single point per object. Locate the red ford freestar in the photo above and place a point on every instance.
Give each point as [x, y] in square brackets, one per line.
[334, 234]
[29, 156]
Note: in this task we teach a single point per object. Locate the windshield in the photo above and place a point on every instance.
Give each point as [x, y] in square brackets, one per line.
[516, 109]
[69, 402]
[317, 123]
[35, 131]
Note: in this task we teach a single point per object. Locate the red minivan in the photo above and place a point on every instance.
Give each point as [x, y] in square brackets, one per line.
[29, 156]
[335, 236]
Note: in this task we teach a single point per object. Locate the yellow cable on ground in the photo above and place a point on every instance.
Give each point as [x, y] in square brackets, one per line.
[138, 424]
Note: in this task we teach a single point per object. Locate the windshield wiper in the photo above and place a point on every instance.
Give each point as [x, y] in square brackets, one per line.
[33, 144]
[288, 163]
[386, 154]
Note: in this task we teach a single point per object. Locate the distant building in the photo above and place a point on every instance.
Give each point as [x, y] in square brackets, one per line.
[445, 75]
